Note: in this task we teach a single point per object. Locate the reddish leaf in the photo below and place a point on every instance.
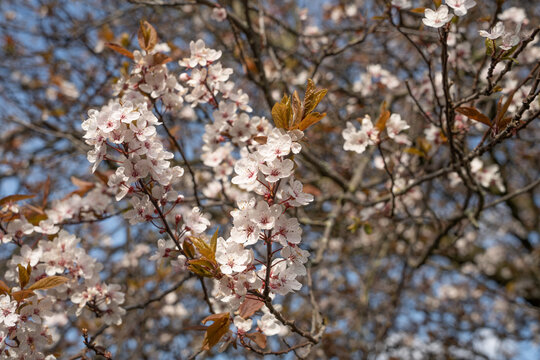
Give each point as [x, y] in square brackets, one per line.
[14, 198]
[261, 139]
[474, 114]
[309, 120]
[383, 118]
[160, 59]
[24, 277]
[48, 283]
[258, 338]
[119, 49]
[4, 289]
[217, 330]
[84, 186]
[249, 307]
[22, 294]
[147, 36]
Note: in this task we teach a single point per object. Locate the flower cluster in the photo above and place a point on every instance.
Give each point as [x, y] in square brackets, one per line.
[359, 140]
[509, 39]
[22, 329]
[22, 334]
[268, 172]
[265, 168]
[442, 15]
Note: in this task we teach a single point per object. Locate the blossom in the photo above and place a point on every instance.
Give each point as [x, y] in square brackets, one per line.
[277, 169]
[46, 227]
[437, 18]
[496, 32]
[28, 256]
[8, 314]
[277, 144]
[17, 229]
[358, 141]
[394, 126]
[295, 192]
[264, 215]
[515, 14]
[460, 7]
[287, 230]
[401, 4]
[219, 14]
[269, 325]
[232, 256]
[487, 176]
[247, 170]
[243, 325]
[510, 40]
[200, 55]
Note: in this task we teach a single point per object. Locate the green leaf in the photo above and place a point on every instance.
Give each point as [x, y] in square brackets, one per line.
[204, 248]
[368, 229]
[490, 47]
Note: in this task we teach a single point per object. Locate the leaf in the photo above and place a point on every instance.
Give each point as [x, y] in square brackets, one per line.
[313, 97]
[258, 338]
[189, 249]
[368, 229]
[514, 60]
[280, 115]
[217, 330]
[474, 114]
[309, 120]
[119, 49]
[203, 264]
[48, 283]
[4, 289]
[414, 151]
[213, 244]
[383, 118]
[35, 218]
[510, 51]
[147, 36]
[261, 139]
[15, 198]
[196, 269]
[204, 248]
[160, 59]
[249, 307]
[24, 277]
[490, 47]
[298, 112]
[500, 121]
[418, 10]
[22, 294]
[84, 186]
